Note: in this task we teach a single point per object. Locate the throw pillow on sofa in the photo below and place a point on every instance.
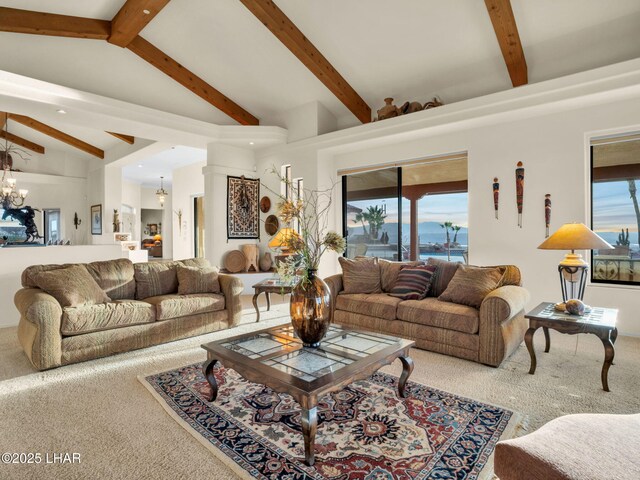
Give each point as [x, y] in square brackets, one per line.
[413, 282]
[71, 286]
[390, 270]
[470, 285]
[361, 275]
[446, 271]
[197, 280]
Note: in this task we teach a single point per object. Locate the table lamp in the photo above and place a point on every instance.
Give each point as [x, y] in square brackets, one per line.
[281, 241]
[573, 268]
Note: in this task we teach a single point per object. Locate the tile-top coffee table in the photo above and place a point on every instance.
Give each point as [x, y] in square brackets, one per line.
[276, 357]
[599, 321]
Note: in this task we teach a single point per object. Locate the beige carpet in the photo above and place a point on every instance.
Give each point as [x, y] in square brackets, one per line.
[100, 410]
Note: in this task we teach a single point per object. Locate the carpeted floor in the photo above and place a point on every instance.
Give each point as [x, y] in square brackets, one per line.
[100, 410]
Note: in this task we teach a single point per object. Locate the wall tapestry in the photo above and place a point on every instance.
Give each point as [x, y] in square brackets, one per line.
[243, 211]
[496, 195]
[547, 213]
[520, 191]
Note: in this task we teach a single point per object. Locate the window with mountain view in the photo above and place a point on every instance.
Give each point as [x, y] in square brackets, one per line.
[616, 210]
[408, 213]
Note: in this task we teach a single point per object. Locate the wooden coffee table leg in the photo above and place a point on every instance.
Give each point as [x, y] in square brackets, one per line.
[309, 429]
[207, 369]
[547, 339]
[528, 341]
[268, 300]
[255, 305]
[609, 353]
[407, 368]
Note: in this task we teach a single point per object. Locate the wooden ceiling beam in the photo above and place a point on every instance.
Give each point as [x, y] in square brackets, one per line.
[504, 25]
[286, 31]
[57, 134]
[23, 142]
[180, 74]
[125, 138]
[40, 23]
[4, 116]
[131, 19]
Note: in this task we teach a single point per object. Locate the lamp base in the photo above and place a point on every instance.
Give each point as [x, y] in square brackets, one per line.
[573, 280]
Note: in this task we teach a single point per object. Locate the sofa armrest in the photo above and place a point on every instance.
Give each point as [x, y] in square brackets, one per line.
[39, 327]
[232, 287]
[502, 323]
[335, 286]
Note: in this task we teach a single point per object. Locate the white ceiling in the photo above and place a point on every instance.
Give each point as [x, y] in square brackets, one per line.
[147, 172]
[407, 49]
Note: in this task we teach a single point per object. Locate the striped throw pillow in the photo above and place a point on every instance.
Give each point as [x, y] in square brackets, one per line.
[413, 282]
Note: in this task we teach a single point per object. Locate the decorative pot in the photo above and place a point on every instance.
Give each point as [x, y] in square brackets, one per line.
[266, 262]
[310, 309]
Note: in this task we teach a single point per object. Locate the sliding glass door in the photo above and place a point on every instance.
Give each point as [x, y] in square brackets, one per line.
[372, 214]
[408, 213]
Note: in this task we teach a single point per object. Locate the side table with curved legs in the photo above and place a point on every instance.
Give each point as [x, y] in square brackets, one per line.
[600, 322]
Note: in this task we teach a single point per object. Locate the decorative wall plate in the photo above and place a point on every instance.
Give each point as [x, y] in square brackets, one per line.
[265, 204]
[271, 225]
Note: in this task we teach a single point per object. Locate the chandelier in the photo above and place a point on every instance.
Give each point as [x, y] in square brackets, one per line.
[11, 198]
[161, 193]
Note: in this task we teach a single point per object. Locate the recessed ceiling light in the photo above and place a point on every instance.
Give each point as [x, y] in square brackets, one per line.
[251, 143]
[61, 111]
[146, 12]
[139, 166]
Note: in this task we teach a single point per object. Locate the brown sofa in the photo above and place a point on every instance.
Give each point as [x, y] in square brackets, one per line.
[486, 335]
[52, 336]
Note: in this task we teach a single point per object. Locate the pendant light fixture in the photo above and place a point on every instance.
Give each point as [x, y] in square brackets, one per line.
[161, 193]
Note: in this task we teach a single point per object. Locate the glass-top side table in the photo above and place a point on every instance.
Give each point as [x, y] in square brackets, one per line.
[600, 322]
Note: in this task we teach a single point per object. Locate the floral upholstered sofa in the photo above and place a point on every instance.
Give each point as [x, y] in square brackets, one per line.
[77, 312]
[487, 332]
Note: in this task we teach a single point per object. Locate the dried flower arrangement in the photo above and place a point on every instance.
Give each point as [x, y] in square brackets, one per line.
[308, 216]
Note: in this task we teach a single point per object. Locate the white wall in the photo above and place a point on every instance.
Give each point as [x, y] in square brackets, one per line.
[131, 197]
[187, 182]
[223, 160]
[52, 191]
[56, 180]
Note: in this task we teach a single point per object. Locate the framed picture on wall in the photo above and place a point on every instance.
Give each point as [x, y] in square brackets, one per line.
[96, 219]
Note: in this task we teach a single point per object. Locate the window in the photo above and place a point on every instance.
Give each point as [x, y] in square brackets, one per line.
[10, 229]
[408, 213]
[52, 232]
[285, 186]
[615, 213]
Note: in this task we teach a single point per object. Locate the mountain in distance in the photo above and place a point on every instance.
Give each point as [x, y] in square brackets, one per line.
[427, 231]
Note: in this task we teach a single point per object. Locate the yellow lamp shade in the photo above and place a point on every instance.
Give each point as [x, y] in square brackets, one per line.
[574, 236]
[280, 239]
[157, 237]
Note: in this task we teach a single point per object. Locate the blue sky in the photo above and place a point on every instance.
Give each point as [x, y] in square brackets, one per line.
[613, 208]
[436, 208]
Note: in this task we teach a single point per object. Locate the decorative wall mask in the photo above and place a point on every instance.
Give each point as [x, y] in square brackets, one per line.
[179, 214]
[547, 213]
[519, 190]
[496, 195]
[243, 216]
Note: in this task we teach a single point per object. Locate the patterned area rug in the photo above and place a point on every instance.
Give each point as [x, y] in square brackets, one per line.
[364, 431]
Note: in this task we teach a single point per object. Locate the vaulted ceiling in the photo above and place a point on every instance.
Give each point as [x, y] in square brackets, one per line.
[406, 49]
